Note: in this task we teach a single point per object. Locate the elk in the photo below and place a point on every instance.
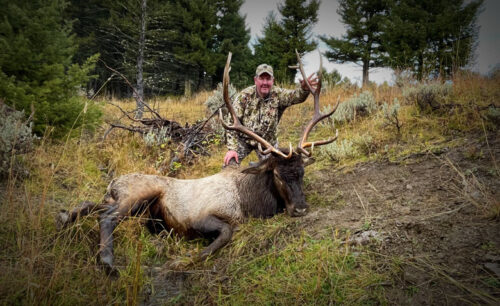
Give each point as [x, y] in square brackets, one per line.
[211, 206]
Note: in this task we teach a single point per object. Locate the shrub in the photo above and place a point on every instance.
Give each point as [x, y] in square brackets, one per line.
[390, 115]
[156, 137]
[15, 136]
[427, 96]
[361, 105]
[348, 148]
[215, 101]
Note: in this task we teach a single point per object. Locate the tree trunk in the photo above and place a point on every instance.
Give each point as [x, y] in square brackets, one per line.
[139, 95]
[365, 72]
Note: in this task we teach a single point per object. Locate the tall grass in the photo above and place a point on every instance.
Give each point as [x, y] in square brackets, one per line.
[268, 260]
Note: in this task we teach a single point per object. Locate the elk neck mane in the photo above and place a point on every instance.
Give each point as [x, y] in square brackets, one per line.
[259, 196]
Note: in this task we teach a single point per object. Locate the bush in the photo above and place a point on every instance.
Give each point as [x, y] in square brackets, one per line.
[15, 136]
[427, 96]
[348, 148]
[157, 137]
[361, 105]
[390, 115]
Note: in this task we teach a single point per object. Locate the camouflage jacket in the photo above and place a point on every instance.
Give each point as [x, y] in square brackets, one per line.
[262, 115]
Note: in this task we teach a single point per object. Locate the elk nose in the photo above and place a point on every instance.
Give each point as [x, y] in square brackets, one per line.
[299, 211]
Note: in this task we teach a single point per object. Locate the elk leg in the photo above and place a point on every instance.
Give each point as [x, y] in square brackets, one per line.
[213, 225]
[107, 223]
[64, 218]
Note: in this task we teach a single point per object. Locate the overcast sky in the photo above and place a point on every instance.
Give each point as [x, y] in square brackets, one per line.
[487, 53]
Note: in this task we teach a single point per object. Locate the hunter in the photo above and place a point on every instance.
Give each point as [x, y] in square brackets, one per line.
[260, 107]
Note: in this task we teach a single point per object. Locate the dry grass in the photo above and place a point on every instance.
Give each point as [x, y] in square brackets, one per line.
[267, 260]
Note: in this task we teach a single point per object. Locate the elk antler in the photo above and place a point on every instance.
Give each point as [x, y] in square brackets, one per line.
[237, 126]
[317, 117]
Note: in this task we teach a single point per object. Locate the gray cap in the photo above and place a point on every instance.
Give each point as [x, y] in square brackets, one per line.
[264, 68]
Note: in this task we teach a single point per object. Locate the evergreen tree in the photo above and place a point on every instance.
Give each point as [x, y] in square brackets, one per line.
[233, 36]
[432, 36]
[185, 47]
[270, 47]
[87, 23]
[194, 36]
[281, 38]
[36, 68]
[299, 17]
[362, 43]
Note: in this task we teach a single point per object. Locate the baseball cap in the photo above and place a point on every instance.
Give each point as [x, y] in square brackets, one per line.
[264, 68]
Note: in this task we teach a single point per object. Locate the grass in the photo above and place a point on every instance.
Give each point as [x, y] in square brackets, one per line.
[273, 260]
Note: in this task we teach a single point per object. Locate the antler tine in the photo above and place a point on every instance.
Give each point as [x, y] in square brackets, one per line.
[301, 69]
[318, 116]
[237, 126]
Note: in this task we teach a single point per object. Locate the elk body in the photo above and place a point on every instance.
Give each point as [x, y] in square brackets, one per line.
[212, 206]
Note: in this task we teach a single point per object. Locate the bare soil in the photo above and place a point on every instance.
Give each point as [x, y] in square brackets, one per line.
[435, 212]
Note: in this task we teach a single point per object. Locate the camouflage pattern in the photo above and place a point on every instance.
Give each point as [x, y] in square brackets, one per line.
[264, 68]
[261, 115]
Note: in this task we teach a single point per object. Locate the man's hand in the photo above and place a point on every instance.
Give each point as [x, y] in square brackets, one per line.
[230, 155]
[313, 81]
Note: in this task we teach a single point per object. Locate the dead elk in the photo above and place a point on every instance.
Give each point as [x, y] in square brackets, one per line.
[210, 206]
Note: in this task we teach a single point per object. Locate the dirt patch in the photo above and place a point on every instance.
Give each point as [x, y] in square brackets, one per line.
[434, 213]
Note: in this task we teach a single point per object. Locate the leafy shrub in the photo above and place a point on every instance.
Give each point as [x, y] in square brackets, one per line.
[156, 137]
[215, 101]
[348, 148]
[427, 96]
[493, 114]
[15, 136]
[361, 105]
[390, 115]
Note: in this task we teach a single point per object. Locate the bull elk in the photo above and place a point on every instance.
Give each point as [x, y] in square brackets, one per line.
[211, 206]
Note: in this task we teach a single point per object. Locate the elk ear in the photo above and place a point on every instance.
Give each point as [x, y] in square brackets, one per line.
[308, 161]
[260, 167]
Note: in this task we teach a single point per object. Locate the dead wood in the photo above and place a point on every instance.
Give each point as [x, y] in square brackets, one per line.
[191, 139]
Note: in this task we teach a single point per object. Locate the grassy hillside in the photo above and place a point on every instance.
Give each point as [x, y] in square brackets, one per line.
[322, 258]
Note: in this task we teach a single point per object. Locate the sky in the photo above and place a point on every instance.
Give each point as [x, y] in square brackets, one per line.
[487, 52]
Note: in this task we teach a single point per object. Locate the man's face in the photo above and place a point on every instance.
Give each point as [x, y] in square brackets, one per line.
[263, 83]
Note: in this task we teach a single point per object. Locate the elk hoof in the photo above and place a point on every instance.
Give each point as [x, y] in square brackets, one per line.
[62, 219]
[107, 265]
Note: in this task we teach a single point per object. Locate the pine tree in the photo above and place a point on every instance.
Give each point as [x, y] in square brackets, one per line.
[270, 47]
[432, 36]
[362, 43]
[36, 68]
[281, 38]
[299, 17]
[233, 36]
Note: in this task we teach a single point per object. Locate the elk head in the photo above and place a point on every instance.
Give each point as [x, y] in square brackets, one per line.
[286, 165]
